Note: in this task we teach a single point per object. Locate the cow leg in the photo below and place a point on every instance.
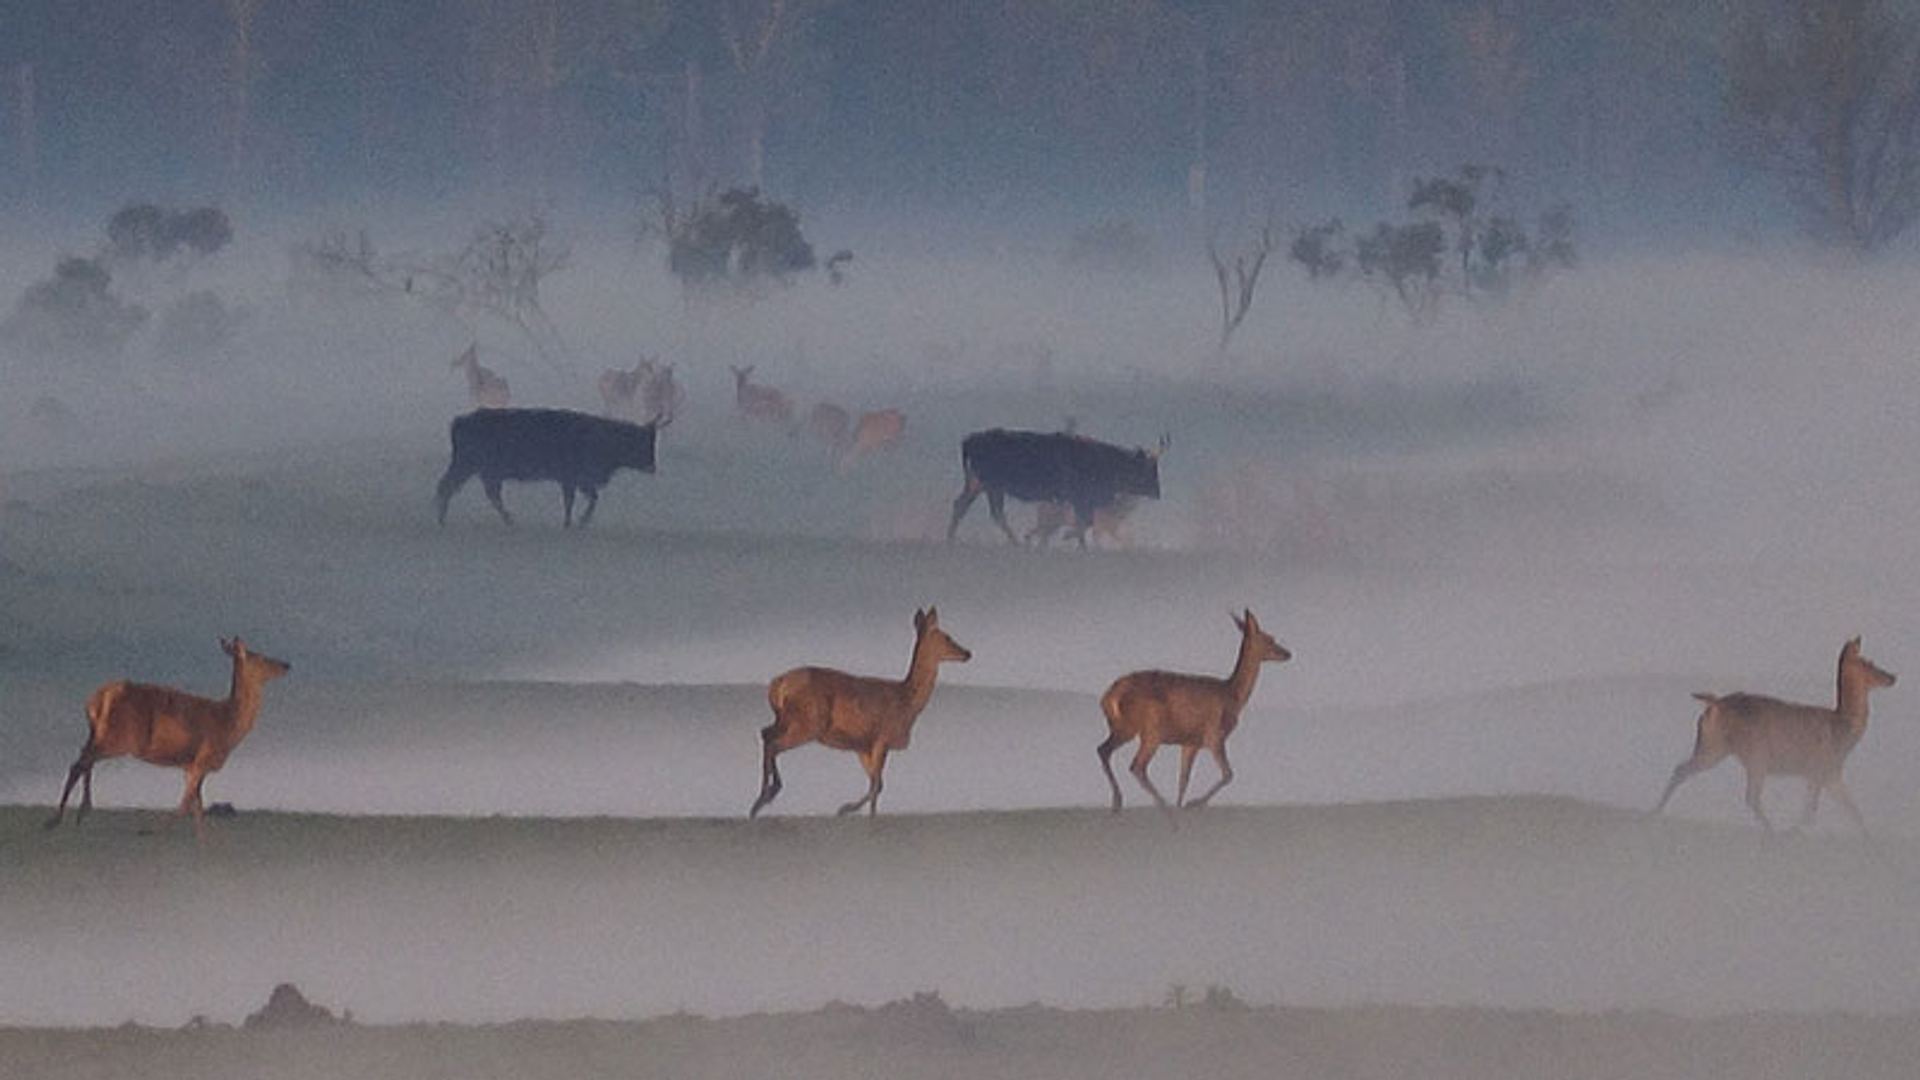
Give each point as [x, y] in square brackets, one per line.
[450, 482]
[960, 504]
[492, 484]
[566, 500]
[997, 505]
[1082, 521]
[593, 501]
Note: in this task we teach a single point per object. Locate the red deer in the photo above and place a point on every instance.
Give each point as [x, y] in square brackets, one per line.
[577, 451]
[828, 424]
[171, 728]
[620, 389]
[1188, 711]
[488, 390]
[759, 402]
[1773, 736]
[878, 430]
[868, 716]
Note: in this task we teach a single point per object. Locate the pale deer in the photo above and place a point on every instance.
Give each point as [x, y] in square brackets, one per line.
[877, 430]
[661, 395]
[757, 401]
[171, 728]
[620, 388]
[1108, 521]
[1773, 736]
[1189, 711]
[486, 389]
[871, 717]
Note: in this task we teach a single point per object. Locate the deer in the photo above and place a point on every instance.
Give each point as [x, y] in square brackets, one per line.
[870, 716]
[757, 401]
[620, 388]
[1773, 736]
[661, 395]
[1108, 521]
[877, 430]
[1188, 711]
[171, 728]
[487, 389]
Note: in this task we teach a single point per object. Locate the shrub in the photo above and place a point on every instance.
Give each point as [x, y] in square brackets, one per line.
[73, 315]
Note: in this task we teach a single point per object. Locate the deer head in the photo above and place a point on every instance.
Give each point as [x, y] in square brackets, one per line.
[1265, 648]
[927, 634]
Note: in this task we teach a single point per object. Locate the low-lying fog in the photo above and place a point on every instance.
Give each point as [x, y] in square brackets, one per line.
[1503, 548]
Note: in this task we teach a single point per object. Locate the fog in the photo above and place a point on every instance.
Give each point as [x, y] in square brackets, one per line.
[508, 774]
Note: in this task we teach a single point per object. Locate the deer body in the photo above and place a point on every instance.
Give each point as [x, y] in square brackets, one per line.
[759, 402]
[488, 390]
[1773, 736]
[828, 424]
[866, 715]
[171, 728]
[1193, 712]
[619, 389]
[877, 430]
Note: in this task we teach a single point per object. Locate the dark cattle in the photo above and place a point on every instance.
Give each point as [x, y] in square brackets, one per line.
[1052, 467]
[577, 451]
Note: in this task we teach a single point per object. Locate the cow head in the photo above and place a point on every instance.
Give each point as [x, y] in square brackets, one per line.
[1141, 476]
[636, 448]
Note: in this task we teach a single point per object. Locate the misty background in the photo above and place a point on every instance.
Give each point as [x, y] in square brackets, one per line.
[1634, 422]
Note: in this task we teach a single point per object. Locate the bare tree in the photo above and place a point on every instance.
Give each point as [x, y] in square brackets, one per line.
[243, 13]
[1238, 281]
[1828, 93]
[749, 40]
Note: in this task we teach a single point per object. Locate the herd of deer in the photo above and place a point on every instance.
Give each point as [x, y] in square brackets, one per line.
[648, 392]
[873, 717]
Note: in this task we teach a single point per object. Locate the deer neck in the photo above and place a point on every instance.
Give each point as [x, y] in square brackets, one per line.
[922, 670]
[243, 702]
[1852, 700]
[1246, 670]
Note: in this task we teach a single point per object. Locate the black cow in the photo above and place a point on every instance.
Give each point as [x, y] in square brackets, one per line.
[1052, 467]
[578, 451]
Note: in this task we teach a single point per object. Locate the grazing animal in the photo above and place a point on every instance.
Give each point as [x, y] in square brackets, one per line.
[1108, 521]
[828, 424]
[1773, 736]
[171, 728]
[1193, 712]
[757, 401]
[661, 395]
[877, 430]
[1051, 467]
[488, 390]
[578, 451]
[620, 389]
[868, 716]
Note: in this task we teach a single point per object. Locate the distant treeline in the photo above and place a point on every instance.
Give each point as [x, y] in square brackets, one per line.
[981, 106]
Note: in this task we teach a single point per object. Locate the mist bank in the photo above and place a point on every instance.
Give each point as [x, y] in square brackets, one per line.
[1516, 902]
[924, 1037]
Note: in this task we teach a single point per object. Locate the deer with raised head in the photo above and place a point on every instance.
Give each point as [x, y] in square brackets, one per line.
[1193, 712]
[661, 395]
[171, 728]
[1773, 736]
[620, 388]
[871, 717]
[758, 401]
[487, 389]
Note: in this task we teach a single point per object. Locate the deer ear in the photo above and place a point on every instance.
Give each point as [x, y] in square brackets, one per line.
[1239, 623]
[919, 619]
[933, 615]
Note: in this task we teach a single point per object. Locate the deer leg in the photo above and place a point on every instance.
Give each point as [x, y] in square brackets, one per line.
[1812, 806]
[1226, 774]
[873, 760]
[961, 503]
[82, 767]
[769, 768]
[593, 503]
[492, 484]
[1106, 749]
[566, 501]
[196, 805]
[1187, 754]
[1697, 763]
[1139, 769]
[1756, 786]
[1845, 798]
[450, 481]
